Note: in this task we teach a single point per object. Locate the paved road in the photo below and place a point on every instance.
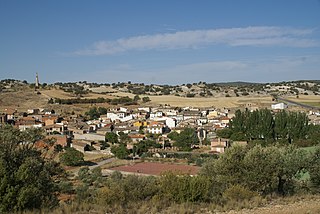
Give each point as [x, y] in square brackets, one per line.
[296, 103]
[102, 163]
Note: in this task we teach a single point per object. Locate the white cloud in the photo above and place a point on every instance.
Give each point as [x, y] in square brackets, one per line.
[248, 36]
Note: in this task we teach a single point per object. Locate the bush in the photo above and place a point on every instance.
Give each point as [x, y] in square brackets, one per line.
[71, 157]
[238, 193]
[66, 187]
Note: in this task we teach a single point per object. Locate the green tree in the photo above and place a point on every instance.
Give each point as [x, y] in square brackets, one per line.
[102, 110]
[124, 138]
[120, 151]
[93, 113]
[184, 188]
[71, 157]
[27, 179]
[186, 139]
[146, 99]
[112, 137]
[224, 133]
[262, 169]
[314, 169]
[136, 98]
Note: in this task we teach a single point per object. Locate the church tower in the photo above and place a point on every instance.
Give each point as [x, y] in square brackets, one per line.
[37, 81]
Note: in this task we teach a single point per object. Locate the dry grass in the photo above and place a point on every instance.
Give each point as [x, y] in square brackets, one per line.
[305, 98]
[116, 163]
[94, 157]
[219, 102]
[22, 100]
[307, 204]
[312, 100]
[27, 98]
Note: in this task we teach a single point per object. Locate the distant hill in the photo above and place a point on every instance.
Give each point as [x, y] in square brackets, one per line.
[238, 83]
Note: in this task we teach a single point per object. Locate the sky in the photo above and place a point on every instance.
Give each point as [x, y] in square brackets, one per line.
[160, 41]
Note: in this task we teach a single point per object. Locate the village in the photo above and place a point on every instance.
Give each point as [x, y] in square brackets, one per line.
[133, 125]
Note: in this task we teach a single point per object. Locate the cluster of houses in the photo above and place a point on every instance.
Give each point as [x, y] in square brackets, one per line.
[137, 123]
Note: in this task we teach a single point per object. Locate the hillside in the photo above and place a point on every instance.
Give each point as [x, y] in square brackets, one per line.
[21, 95]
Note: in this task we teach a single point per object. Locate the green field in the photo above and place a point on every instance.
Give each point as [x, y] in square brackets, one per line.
[315, 104]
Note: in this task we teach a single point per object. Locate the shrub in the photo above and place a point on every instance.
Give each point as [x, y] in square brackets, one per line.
[71, 157]
[238, 193]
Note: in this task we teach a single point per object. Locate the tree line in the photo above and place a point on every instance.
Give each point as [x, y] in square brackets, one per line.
[263, 125]
[115, 101]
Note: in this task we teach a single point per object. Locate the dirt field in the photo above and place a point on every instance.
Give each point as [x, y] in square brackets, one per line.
[157, 168]
[219, 102]
[26, 99]
[22, 100]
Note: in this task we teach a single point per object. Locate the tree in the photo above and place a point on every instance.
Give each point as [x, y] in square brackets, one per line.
[146, 99]
[262, 169]
[112, 137]
[186, 139]
[136, 98]
[102, 110]
[93, 113]
[224, 133]
[120, 152]
[124, 138]
[27, 178]
[71, 157]
[314, 169]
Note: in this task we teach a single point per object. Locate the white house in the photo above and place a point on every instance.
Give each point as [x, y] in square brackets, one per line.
[156, 114]
[155, 129]
[279, 106]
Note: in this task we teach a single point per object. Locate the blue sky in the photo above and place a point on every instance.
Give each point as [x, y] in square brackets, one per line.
[161, 42]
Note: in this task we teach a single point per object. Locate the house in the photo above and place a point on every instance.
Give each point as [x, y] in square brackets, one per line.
[63, 140]
[11, 113]
[104, 118]
[3, 118]
[223, 122]
[49, 119]
[54, 128]
[191, 115]
[79, 145]
[140, 123]
[279, 106]
[219, 145]
[201, 121]
[136, 137]
[157, 129]
[28, 122]
[212, 114]
[33, 111]
[105, 129]
[168, 121]
[145, 109]
[89, 137]
[156, 114]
